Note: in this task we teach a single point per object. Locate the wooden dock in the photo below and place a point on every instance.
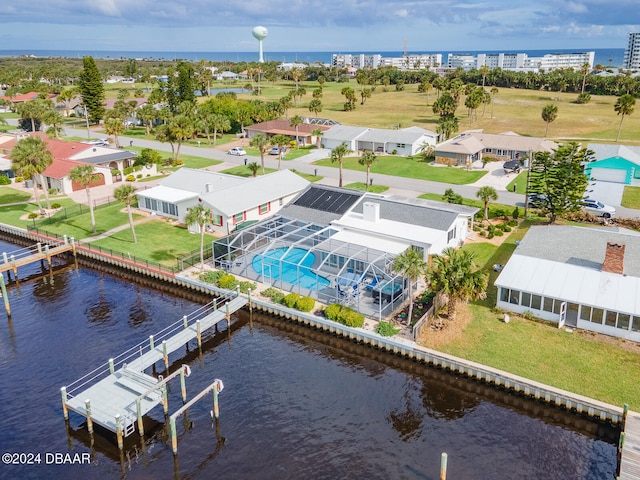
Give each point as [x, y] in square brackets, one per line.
[120, 399]
[35, 253]
[630, 453]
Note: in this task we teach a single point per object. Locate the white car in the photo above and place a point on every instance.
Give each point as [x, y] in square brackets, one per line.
[236, 151]
[599, 209]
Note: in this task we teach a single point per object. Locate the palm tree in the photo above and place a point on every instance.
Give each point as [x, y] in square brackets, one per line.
[624, 106]
[261, 142]
[338, 154]
[54, 119]
[182, 128]
[85, 175]
[549, 114]
[484, 71]
[494, 92]
[410, 264]
[147, 113]
[199, 215]
[126, 194]
[280, 141]
[296, 121]
[220, 123]
[114, 126]
[455, 275]
[367, 159]
[253, 168]
[30, 158]
[318, 134]
[486, 194]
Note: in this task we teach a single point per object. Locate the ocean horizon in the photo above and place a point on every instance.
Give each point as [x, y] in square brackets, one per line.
[608, 57]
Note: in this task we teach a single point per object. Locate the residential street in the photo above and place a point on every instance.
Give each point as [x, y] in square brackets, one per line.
[607, 192]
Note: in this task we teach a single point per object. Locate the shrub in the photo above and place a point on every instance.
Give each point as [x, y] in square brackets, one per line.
[4, 180]
[483, 233]
[19, 179]
[148, 156]
[291, 300]
[498, 233]
[130, 178]
[351, 318]
[55, 205]
[269, 292]
[394, 152]
[227, 281]
[512, 223]
[128, 170]
[31, 216]
[53, 191]
[333, 311]
[305, 304]
[115, 172]
[212, 277]
[139, 176]
[516, 213]
[583, 98]
[278, 297]
[386, 329]
[245, 286]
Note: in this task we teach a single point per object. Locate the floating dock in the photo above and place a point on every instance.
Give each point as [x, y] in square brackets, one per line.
[119, 400]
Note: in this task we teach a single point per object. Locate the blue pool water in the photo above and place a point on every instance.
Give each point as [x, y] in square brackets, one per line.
[278, 266]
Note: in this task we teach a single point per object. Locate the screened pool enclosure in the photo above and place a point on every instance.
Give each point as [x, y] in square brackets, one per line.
[315, 260]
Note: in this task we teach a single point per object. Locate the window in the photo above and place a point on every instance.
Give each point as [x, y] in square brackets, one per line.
[536, 300]
[526, 299]
[264, 208]
[610, 319]
[596, 315]
[238, 218]
[635, 325]
[504, 294]
[401, 145]
[556, 306]
[623, 321]
[216, 220]
[451, 234]
[548, 304]
[514, 297]
[585, 313]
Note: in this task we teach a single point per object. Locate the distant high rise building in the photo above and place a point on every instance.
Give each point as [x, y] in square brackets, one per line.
[632, 53]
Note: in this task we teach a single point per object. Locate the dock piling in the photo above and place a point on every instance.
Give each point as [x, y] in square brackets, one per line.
[174, 436]
[65, 410]
[183, 386]
[198, 333]
[5, 297]
[216, 411]
[443, 466]
[186, 322]
[112, 369]
[87, 405]
[228, 315]
[165, 400]
[151, 344]
[249, 295]
[165, 355]
[139, 415]
[119, 431]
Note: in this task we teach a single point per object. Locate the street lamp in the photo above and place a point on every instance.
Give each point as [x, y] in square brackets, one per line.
[86, 117]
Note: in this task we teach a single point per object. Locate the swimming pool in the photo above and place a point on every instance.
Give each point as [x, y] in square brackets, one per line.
[293, 268]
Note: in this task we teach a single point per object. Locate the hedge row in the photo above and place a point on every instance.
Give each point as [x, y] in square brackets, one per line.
[225, 280]
[292, 300]
[344, 315]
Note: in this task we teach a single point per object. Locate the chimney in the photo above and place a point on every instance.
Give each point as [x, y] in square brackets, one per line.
[371, 211]
[614, 259]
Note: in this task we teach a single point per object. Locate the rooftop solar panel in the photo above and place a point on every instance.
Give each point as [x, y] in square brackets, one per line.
[327, 200]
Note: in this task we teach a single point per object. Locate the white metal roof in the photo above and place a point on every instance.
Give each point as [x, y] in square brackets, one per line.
[572, 283]
[378, 243]
[198, 181]
[167, 194]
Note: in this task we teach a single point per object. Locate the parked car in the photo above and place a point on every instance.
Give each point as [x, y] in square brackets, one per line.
[537, 200]
[236, 151]
[512, 166]
[599, 209]
[275, 151]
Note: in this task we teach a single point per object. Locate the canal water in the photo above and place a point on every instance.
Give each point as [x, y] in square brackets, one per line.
[296, 403]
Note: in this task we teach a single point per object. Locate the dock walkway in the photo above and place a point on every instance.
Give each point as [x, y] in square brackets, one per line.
[128, 392]
[630, 455]
[25, 256]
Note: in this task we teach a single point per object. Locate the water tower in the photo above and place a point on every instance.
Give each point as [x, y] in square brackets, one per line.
[260, 33]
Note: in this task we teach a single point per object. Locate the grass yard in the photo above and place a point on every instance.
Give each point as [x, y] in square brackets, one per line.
[158, 242]
[495, 209]
[596, 366]
[307, 176]
[410, 168]
[79, 226]
[520, 181]
[631, 197]
[242, 171]
[363, 187]
[11, 195]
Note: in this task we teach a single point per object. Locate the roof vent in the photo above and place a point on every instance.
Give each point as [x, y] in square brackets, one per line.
[371, 211]
[208, 187]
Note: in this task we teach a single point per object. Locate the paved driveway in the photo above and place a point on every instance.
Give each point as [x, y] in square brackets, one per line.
[606, 192]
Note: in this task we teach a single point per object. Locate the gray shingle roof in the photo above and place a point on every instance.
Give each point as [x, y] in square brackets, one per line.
[581, 246]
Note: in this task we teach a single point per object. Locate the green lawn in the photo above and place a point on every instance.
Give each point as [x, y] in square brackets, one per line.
[11, 195]
[189, 161]
[307, 176]
[242, 171]
[363, 187]
[495, 209]
[158, 242]
[520, 181]
[79, 226]
[631, 197]
[410, 168]
[579, 362]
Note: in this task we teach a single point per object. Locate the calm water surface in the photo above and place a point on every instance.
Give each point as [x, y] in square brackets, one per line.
[296, 404]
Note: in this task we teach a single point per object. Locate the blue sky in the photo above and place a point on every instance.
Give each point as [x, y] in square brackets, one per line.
[316, 25]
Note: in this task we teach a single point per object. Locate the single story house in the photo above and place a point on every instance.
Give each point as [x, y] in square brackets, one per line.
[25, 97]
[473, 145]
[614, 163]
[234, 201]
[582, 277]
[405, 141]
[283, 127]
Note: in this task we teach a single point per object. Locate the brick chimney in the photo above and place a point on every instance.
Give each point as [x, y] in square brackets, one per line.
[614, 258]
